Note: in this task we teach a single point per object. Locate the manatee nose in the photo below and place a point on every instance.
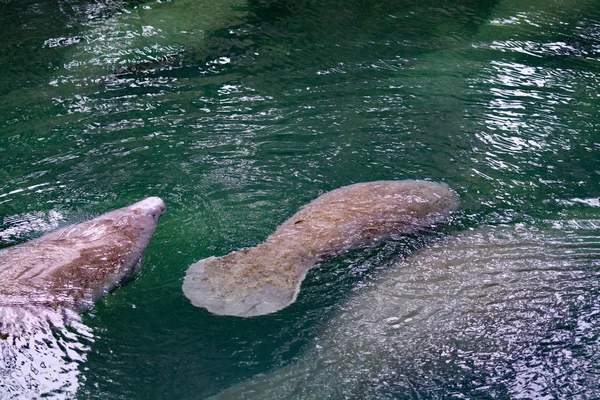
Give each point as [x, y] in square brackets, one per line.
[159, 209]
[154, 206]
[156, 215]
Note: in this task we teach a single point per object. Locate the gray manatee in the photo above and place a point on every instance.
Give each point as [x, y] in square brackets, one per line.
[499, 312]
[267, 278]
[47, 282]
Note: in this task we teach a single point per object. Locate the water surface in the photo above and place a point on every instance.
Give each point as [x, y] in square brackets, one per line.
[238, 112]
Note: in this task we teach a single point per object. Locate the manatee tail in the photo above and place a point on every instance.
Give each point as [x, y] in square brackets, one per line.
[250, 282]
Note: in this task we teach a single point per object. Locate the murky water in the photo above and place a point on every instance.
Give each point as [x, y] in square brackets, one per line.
[238, 112]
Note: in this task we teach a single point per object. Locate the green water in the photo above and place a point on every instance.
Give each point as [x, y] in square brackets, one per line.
[260, 107]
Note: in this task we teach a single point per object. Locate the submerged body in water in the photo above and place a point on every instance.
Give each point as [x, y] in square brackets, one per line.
[45, 283]
[267, 278]
[493, 313]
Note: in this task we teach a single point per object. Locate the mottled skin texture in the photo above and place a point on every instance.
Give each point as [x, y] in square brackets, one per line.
[267, 278]
[73, 267]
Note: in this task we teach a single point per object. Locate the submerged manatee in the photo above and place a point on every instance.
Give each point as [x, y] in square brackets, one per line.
[500, 312]
[46, 282]
[267, 278]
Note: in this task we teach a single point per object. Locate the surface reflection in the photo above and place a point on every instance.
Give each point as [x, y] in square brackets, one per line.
[44, 359]
[15, 227]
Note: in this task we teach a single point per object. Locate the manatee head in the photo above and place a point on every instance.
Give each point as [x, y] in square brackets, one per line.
[77, 265]
[152, 206]
[122, 235]
[142, 216]
[136, 222]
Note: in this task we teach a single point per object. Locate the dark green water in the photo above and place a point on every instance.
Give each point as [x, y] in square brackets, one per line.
[260, 107]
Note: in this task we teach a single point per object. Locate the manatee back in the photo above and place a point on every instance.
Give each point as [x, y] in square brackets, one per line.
[365, 212]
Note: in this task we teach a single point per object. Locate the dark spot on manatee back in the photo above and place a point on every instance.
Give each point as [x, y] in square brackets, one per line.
[299, 221]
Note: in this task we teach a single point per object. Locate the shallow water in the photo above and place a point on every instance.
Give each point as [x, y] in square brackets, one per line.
[252, 109]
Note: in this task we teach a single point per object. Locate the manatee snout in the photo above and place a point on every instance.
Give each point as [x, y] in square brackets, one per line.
[153, 206]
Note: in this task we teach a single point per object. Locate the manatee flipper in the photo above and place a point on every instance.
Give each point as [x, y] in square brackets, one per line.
[246, 283]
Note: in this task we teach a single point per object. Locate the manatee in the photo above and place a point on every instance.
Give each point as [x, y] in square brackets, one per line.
[46, 283]
[502, 312]
[267, 278]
